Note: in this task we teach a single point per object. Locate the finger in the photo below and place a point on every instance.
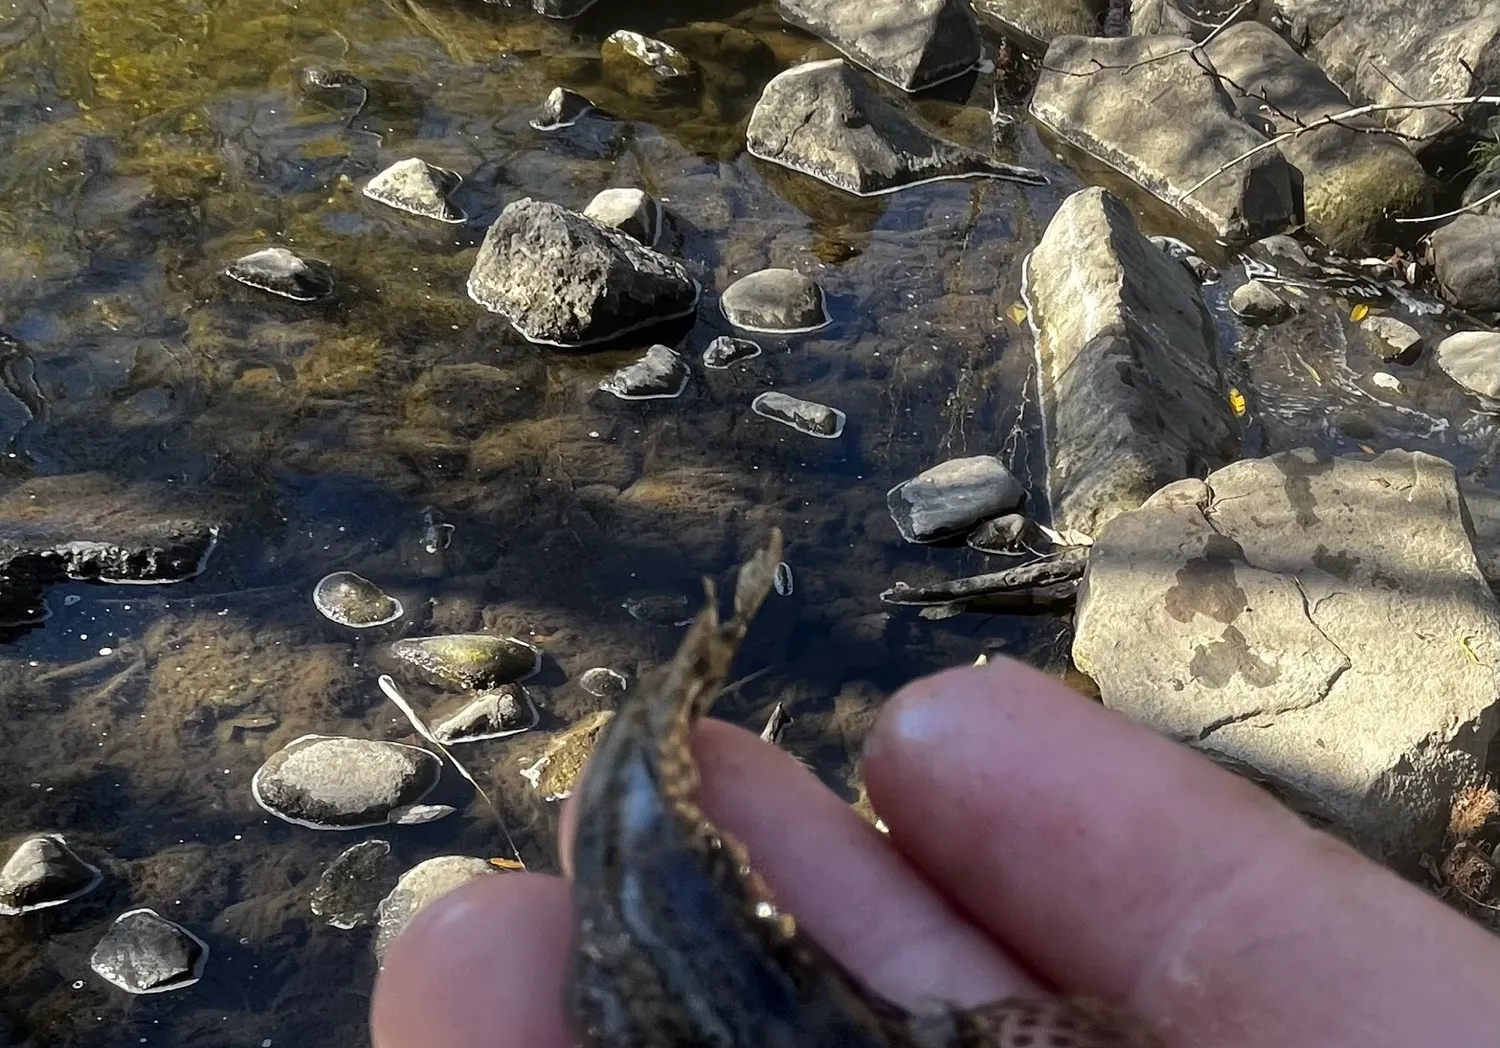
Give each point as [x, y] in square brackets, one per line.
[839, 877]
[1116, 862]
[482, 966]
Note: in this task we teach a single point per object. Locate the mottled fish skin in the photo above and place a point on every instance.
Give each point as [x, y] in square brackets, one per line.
[678, 943]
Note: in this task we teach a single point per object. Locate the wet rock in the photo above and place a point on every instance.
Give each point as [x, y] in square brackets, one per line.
[1466, 261]
[417, 187]
[1130, 374]
[950, 498]
[470, 660]
[1485, 187]
[421, 886]
[278, 271]
[805, 416]
[354, 601]
[603, 682]
[913, 44]
[352, 885]
[43, 871]
[659, 375]
[1258, 303]
[724, 352]
[649, 70]
[1394, 340]
[468, 399]
[660, 609]
[561, 108]
[493, 714]
[329, 782]
[1089, 95]
[1266, 616]
[1010, 535]
[1036, 22]
[1472, 359]
[143, 952]
[776, 301]
[823, 119]
[556, 771]
[563, 279]
[630, 211]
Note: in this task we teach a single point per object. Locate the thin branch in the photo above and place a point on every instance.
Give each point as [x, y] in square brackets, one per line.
[1456, 211]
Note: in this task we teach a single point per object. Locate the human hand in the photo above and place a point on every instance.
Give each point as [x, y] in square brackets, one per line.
[1037, 840]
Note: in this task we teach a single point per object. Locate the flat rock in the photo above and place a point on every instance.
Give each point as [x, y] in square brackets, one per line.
[43, 871]
[725, 351]
[1472, 359]
[648, 69]
[661, 374]
[1089, 95]
[1307, 618]
[280, 272]
[950, 498]
[143, 952]
[823, 119]
[1466, 261]
[561, 108]
[418, 188]
[352, 885]
[632, 211]
[805, 416]
[421, 886]
[329, 782]
[1130, 374]
[1257, 302]
[1395, 341]
[354, 601]
[492, 714]
[777, 301]
[913, 44]
[470, 660]
[563, 279]
[1035, 23]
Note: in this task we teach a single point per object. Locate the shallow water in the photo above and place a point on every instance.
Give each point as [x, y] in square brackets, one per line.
[145, 145]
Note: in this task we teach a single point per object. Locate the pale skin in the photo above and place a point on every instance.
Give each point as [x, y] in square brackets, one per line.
[1036, 840]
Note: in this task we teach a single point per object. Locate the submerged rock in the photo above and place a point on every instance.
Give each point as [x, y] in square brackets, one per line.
[776, 301]
[913, 44]
[278, 271]
[561, 108]
[421, 886]
[649, 69]
[143, 952]
[556, 771]
[43, 871]
[1012, 535]
[1394, 340]
[327, 782]
[1258, 303]
[1466, 261]
[660, 609]
[603, 682]
[1321, 622]
[950, 498]
[493, 714]
[723, 352]
[805, 416]
[824, 120]
[659, 375]
[352, 885]
[782, 581]
[564, 279]
[470, 660]
[1472, 359]
[417, 187]
[1480, 195]
[354, 601]
[632, 211]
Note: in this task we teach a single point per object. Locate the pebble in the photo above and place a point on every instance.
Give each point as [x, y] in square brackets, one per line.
[661, 374]
[494, 714]
[418, 188]
[725, 351]
[279, 272]
[805, 416]
[1396, 341]
[143, 952]
[43, 871]
[631, 211]
[470, 660]
[603, 682]
[778, 301]
[354, 601]
[421, 886]
[327, 782]
[352, 885]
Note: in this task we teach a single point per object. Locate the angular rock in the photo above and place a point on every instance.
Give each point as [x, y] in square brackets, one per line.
[631, 211]
[805, 416]
[1483, 194]
[913, 44]
[1466, 261]
[43, 871]
[418, 188]
[354, 601]
[327, 782]
[950, 498]
[1258, 303]
[1185, 134]
[1472, 359]
[824, 120]
[724, 351]
[1394, 340]
[143, 952]
[561, 108]
[562, 279]
[279, 272]
[648, 69]
[659, 375]
[1035, 23]
[1353, 181]
[352, 885]
[494, 714]
[1130, 374]
[775, 301]
[1308, 619]
[421, 886]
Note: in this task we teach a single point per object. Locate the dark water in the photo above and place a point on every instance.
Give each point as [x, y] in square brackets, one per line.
[143, 145]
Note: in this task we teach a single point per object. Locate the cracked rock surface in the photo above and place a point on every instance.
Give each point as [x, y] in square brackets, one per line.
[1318, 623]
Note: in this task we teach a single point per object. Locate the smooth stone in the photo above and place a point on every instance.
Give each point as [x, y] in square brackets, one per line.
[421, 886]
[805, 416]
[603, 682]
[1466, 261]
[724, 351]
[352, 885]
[1394, 340]
[561, 108]
[143, 952]
[775, 301]
[470, 660]
[354, 601]
[43, 871]
[1257, 302]
[556, 772]
[648, 69]
[278, 271]
[1012, 535]
[824, 120]
[912, 44]
[659, 375]
[327, 782]
[1472, 359]
[417, 187]
[493, 714]
[563, 279]
[631, 211]
[951, 497]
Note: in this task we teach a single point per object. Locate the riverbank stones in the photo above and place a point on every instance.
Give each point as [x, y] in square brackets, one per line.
[776, 301]
[470, 660]
[42, 872]
[418, 188]
[661, 374]
[143, 953]
[278, 271]
[354, 601]
[950, 498]
[327, 782]
[1472, 359]
[805, 416]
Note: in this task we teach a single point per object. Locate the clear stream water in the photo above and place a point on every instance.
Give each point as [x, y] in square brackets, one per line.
[143, 145]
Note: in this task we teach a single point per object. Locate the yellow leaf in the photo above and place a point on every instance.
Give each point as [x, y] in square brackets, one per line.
[1359, 312]
[1367, 449]
[508, 864]
[1463, 642]
[1017, 314]
[1236, 402]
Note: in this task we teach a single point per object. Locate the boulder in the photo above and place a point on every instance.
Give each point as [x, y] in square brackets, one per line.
[470, 660]
[279, 272]
[1035, 23]
[1319, 622]
[143, 952]
[1353, 181]
[352, 885]
[805, 416]
[1090, 95]
[1466, 261]
[42, 872]
[661, 374]
[1131, 380]
[913, 44]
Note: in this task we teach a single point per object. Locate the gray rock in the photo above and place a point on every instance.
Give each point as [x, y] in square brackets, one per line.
[1130, 373]
[1394, 340]
[328, 782]
[470, 660]
[913, 44]
[1258, 303]
[1466, 261]
[352, 885]
[1283, 254]
[824, 120]
[493, 714]
[950, 498]
[1035, 23]
[805, 416]
[421, 886]
[279, 272]
[43, 871]
[1307, 618]
[417, 187]
[1485, 185]
[1353, 181]
[143, 952]
[724, 351]
[631, 211]
[354, 601]
[1472, 359]
[563, 279]
[649, 69]
[1188, 131]
[777, 301]
[659, 375]
[1012, 535]
[561, 108]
